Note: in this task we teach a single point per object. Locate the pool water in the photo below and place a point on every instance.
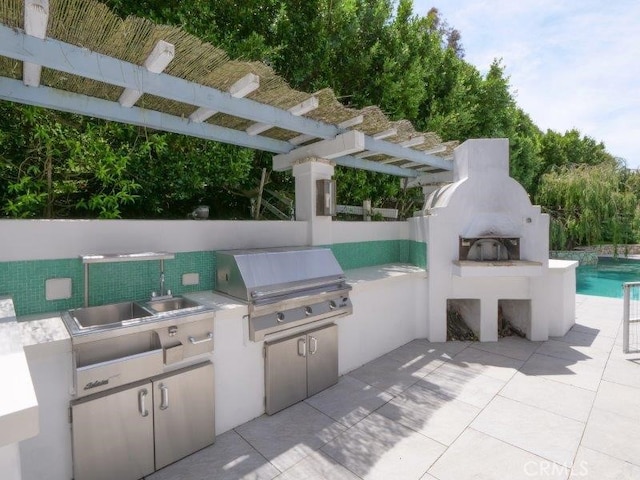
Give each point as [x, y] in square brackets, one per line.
[606, 279]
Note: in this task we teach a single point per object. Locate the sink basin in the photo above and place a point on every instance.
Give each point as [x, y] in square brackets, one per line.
[170, 304]
[105, 315]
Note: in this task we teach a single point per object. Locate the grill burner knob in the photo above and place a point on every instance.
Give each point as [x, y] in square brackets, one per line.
[332, 305]
[280, 317]
[308, 311]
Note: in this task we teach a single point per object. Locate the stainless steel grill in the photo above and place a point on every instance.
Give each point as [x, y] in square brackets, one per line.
[284, 287]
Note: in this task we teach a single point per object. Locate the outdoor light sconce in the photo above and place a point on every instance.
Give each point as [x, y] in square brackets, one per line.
[326, 198]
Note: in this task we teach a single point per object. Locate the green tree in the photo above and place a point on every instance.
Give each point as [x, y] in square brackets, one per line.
[589, 204]
[61, 165]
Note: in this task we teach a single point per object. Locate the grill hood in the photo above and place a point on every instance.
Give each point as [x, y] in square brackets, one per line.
[265, 275]
[287, 289]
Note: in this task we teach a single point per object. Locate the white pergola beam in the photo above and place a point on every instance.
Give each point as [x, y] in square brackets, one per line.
[378, 136]
[156, 62]
[352, 122]
[431, 151]
[437, 178]
[67, 58]
[297, 110]
[385, 134]
[15, 91]
[412, 142]
[36, 17]
[344, 144]
[243, 87]
[300, 139]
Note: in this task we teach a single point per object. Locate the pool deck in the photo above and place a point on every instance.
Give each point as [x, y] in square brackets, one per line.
[565, 408]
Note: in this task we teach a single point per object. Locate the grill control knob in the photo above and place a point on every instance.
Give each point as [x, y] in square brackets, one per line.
[332, 305]
[280, 317]
[308, 311]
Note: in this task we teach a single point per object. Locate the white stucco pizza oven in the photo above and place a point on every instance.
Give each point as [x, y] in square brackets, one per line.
[488, 249]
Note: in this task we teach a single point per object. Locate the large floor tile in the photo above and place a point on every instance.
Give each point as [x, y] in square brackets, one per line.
[387, 374]
[435, 415]
[560, 398]
[318, 466]
[613, 434]
[290, 435]
[462, 384]
[581, 339]
[491, 364]
[444, 350]
[513, 347]
[620, 399]
[625, 372]
[418, 356]
[579, 374]
[349, 401]
[592, 465]
[230, 458]
[477, 456]
[597, 324]
[378, 448]
[592, 356]
[537, 431]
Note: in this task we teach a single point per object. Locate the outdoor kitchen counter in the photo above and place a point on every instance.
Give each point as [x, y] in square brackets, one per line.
[19, 406]
[359, 277]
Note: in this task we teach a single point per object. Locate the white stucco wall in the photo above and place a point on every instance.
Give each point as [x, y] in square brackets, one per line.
[10, 462]
[52, 239]
[48, 455]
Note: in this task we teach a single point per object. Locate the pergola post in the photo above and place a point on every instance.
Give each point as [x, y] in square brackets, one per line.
[306, 172]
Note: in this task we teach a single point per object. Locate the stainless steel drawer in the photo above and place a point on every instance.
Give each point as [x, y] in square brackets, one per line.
[112, 373]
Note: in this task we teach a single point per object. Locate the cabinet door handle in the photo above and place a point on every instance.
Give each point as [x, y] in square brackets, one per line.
[142, 396]
[313, 345]
[208, 338]
[302, 347]
[164, 397]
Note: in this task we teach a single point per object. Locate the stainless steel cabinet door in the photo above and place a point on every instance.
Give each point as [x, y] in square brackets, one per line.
[285, 373]
[322, 359]
[113, 436]
[183, 413]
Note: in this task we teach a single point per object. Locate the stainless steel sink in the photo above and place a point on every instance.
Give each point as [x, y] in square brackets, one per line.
[171, 304]
[108, 315]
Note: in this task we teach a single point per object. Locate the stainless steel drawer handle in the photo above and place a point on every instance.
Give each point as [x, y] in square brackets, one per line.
[142, 396]
[313, 345]
[164, 397]
[302, 347]
[208, 338]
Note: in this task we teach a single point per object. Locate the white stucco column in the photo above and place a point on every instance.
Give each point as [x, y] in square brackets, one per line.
[10, 462]
[306, 172]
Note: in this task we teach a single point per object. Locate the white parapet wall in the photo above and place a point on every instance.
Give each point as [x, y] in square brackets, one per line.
[53, 239]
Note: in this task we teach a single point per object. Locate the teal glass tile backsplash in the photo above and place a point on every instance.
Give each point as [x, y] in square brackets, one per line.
[108, 282]
[378, 252]
[122, 281]
[25, 282]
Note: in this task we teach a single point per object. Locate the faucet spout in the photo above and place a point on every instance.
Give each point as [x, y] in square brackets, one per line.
[163, 294]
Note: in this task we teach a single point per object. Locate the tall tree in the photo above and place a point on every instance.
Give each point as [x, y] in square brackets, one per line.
[589, 204]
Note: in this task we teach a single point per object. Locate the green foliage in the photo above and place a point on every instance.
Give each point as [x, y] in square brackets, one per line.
[590, 204]
[59, 165]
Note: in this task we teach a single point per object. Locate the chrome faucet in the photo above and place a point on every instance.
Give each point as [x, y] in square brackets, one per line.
[163, 295]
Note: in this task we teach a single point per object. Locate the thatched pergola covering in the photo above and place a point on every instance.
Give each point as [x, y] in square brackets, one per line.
[78, 56]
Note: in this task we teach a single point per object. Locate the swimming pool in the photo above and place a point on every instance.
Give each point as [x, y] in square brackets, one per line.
[606, 279]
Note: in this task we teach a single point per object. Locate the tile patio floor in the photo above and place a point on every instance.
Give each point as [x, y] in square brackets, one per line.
[568, 408]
